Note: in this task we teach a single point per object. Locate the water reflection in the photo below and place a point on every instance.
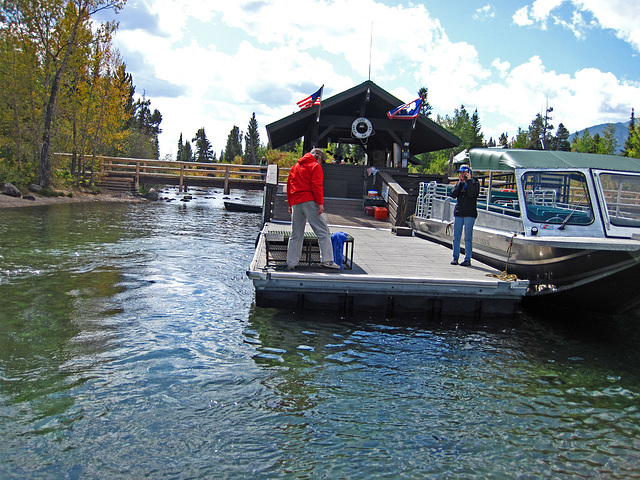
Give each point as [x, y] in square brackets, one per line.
[135, 336]
[469, 393]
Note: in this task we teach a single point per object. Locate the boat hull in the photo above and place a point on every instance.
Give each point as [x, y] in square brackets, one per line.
[588, 273]
[242, 207]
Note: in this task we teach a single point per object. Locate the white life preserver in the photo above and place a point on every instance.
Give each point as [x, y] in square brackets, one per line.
[361, 127]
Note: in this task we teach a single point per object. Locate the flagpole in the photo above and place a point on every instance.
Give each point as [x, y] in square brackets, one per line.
[317, 125]
[370, 49]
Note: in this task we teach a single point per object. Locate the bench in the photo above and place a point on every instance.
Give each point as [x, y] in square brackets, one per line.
[276, 243]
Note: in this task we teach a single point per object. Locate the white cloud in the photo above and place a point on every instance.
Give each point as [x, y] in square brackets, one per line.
[216, 63]
[620, 16]
[521, 17]
[588, 97]
[485, 12]
[502, 67]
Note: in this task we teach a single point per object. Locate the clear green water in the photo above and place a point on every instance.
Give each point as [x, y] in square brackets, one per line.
[130, 348]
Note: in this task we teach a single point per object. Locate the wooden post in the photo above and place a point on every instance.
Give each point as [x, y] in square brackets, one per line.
[270, 191]
[181, 178]
[227, 190]
[137, 184]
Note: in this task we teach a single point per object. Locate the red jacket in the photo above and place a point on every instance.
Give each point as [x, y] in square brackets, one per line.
[305, 181]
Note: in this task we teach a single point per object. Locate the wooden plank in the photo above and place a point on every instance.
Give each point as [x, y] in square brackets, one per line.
[390, 274]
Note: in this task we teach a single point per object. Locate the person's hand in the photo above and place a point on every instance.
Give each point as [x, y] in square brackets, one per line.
[320, 209]
[290, 211]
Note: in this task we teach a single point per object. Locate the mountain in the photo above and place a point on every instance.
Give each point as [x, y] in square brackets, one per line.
[621, 133]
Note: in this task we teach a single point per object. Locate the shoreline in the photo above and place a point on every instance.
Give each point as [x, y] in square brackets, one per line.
[7, 201]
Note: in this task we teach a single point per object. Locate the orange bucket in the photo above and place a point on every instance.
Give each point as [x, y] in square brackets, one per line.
[380, 213]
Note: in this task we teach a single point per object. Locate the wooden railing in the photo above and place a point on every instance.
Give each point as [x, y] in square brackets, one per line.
[397, 199]
[186, 173]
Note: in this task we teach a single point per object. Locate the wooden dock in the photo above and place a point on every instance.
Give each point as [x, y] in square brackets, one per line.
[391, 275]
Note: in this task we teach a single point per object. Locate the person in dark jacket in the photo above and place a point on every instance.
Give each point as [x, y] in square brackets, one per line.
[466, 193]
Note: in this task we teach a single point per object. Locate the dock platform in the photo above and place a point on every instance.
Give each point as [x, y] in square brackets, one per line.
[391, 275]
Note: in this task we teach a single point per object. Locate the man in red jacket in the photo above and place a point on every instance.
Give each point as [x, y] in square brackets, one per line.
[305, 196]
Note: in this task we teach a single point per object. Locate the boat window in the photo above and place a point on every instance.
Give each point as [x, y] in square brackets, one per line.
[557, 198]
[622, 197]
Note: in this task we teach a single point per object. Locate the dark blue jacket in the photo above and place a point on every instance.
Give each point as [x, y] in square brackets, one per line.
[467, 197]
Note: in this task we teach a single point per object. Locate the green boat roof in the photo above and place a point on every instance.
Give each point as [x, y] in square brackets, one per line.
[490, 159]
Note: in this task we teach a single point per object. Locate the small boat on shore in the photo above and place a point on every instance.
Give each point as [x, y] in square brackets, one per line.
[242, 207]
[567, 222]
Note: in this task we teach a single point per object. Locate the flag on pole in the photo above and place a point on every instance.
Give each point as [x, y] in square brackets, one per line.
[313, 99]
[407, 111]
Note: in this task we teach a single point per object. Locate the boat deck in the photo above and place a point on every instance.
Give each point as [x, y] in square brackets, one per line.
[391, 275]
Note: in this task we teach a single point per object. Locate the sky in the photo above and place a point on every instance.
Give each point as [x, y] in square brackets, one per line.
[214, 63]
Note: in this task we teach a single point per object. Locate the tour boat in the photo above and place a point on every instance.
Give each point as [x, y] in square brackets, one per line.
[567, 222]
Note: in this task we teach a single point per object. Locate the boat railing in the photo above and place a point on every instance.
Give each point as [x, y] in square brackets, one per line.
[501, 201]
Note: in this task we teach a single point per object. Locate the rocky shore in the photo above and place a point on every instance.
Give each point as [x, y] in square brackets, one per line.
[34, 199]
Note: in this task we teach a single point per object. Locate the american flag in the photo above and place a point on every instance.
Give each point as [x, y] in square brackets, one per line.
[406, 111]
[313, 99]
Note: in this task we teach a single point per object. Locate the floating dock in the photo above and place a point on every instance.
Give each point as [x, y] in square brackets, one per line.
[391, 275]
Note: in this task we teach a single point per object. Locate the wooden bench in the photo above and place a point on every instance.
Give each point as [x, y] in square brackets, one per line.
[276, 243]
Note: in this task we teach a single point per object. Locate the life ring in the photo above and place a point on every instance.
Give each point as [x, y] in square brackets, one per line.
[361, 127]
[509, 190]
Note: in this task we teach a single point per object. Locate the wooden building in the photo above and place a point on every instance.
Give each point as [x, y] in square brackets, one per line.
[359, 116]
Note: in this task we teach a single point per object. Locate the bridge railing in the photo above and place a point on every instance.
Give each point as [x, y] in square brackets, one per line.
[140, 169]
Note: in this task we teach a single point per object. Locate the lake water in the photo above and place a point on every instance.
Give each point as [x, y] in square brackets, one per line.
[130, 348]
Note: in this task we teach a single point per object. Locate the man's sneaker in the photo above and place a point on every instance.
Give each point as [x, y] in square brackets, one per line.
[454, 262]
[466, 263]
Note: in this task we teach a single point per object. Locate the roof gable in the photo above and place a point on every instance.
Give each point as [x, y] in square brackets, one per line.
[368, 100]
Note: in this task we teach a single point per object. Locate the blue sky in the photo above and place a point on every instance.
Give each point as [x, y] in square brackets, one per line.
[212, 64]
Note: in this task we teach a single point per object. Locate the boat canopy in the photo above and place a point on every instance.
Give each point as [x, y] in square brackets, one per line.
[501, 160]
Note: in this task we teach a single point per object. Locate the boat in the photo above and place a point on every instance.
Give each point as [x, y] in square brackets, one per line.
[242, 207]
[567, 222]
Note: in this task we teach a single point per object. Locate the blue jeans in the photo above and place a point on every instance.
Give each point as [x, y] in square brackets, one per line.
[467, 223]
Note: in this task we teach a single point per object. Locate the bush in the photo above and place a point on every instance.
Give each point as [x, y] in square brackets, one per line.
[21, 178]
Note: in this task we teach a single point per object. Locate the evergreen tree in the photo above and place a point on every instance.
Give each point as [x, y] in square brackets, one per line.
[180, 149]
[234, 145]
[629, 142]
[504, 140]
[204, 152]
[187, 152]
[251, 142]
[521, 139]
[425, 108]
[561, 140]
[584, 143]
[144, 129]
[547, 129]
[476, 135]
[608, 143]
[536, 134]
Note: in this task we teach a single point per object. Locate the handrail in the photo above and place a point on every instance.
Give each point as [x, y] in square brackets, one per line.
[397, 199]
[145, 168]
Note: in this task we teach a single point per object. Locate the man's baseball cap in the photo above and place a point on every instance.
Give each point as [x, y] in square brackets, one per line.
[464, 168]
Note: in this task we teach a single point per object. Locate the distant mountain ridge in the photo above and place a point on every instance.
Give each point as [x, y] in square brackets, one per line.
[621, 133]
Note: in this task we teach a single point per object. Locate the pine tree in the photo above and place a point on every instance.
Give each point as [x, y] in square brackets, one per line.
[187, 152]
[234, 145]
[547, 129]
[204, 152]
[476, 135]
[561, 140]
[425, 108]
[251, 142]
[180, 149]
[629, 142]
[504, 140]
[536, 134]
